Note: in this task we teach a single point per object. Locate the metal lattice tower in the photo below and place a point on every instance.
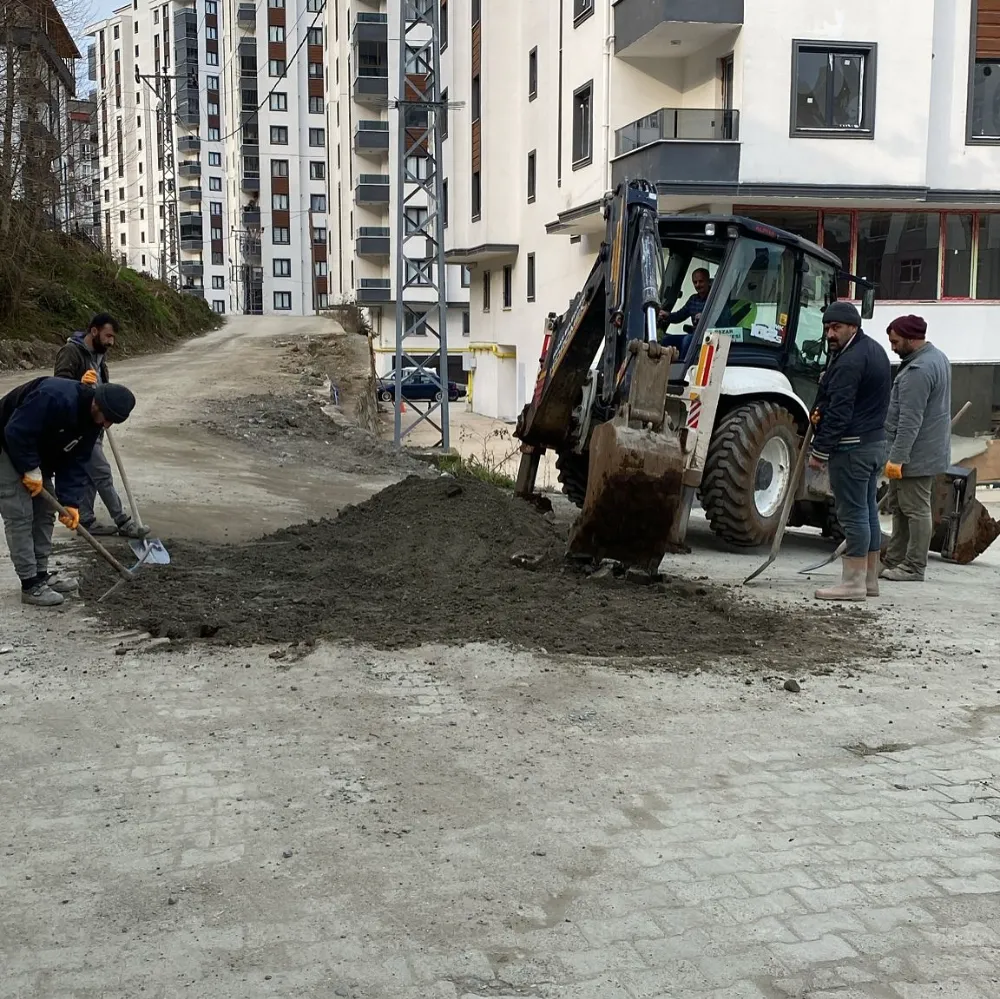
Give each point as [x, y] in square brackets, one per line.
[420, 263]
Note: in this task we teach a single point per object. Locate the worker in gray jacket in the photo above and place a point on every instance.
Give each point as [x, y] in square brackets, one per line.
[918, 429]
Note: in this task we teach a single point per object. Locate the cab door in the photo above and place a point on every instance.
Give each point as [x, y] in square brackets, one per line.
[806, 357]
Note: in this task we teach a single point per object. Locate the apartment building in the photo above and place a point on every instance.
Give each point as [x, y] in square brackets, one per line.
[82, 169]
[365, 180]
[37, 82]
[213, 147]
[870, 128]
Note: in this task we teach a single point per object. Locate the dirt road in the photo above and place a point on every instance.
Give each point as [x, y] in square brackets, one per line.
[194, 484]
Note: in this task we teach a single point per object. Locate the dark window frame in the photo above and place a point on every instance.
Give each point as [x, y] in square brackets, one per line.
[585, 160]
[533, 74]
[970, 139]
[508, 287]
[869, 51]
[582, 11]
[532, 179]
[530, 278]
[477, 195]
[487, 281]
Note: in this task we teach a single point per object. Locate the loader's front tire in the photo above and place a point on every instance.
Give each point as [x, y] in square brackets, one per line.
[573, 470]
[748, 472]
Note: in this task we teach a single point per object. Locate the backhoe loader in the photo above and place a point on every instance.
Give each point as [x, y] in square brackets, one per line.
[642, 429]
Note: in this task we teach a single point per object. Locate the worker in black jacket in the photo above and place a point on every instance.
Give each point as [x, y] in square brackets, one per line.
[48, 427]
[850, 440]
[83, 358]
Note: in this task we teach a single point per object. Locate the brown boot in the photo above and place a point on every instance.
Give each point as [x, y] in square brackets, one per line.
[871, 579]
[853, 584]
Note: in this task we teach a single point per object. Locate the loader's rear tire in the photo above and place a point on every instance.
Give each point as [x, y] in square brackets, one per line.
[748, 472]
[573, 470]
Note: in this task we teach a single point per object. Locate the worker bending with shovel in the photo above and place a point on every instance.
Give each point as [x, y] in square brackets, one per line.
[48, 428]
[84, 359]
[849, 417]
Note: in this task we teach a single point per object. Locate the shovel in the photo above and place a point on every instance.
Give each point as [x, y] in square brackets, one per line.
[147, 550]
[786, 510]
[126, 574]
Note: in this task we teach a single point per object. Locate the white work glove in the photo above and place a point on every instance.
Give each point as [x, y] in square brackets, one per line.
[33, 481]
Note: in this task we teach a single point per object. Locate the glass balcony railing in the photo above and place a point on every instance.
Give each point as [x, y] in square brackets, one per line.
[679, 124]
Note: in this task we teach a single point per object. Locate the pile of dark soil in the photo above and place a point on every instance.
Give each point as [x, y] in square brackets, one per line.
[429, 560]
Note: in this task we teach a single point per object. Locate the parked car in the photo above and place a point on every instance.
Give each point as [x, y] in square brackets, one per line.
[418, 386]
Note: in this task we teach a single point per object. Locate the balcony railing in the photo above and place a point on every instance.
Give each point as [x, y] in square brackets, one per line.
[679, 124]
[363, 18]
[373, 230]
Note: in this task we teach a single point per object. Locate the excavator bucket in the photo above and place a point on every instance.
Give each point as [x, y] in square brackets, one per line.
[963, 529]
[635, 476]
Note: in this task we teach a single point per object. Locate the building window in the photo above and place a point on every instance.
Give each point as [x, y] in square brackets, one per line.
[444, 202]
[444, 113]
[466, 324]
[121, 218]
[279, 202]
[532, 74]
[415, 221]
[508, 286]
[322, 300]
[211, 83]
[984, 85]
[276, 67]
[276, 3]
[211, 7]
[278, 101]
[317, 170]
[215, 159]
[315, 6]
[317, 137]
[218, 282]
[279, 135]
[316, 70]
[317, 203]
[215, 183]
[217, 260]
[314, 36]
[466, 276]
[486, 290]
[582, 9]
[281, 267]
[444, 25]
[477, 197]
[315, 105]
[212, 58]
[211, 34]
[213, 134]
[216, 232]
[417, 168]
[476, 98]
[583, 125]
[215, 207]
[319, 235]
[532, 157]
[279, 168]
[320, 268]
[283, 300]
[276, 33]
[280, 236]
[219, 305]
[531, 277]
[476, 13]
[419, 272]
[834, 95]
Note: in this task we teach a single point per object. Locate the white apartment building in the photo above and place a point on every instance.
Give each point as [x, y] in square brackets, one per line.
[242, 143]
[82, 170]
[364, 181]
[871, 128]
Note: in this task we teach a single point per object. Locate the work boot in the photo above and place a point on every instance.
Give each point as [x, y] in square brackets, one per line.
[874, 567]
[41, 595]
[99, 530]
[62, 584]
[853, 584]
[900, 574]
[128, 528]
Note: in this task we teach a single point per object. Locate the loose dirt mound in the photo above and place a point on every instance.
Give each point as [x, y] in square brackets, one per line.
[429, 560]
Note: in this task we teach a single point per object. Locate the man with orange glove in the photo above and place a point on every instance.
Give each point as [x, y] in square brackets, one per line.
[918, 429]
[83, 358]
[48, 428]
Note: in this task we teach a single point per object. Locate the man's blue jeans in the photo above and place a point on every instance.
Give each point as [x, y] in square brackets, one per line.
[854, 476]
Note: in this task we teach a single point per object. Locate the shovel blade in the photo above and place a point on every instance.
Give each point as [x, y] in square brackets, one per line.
[150, 551]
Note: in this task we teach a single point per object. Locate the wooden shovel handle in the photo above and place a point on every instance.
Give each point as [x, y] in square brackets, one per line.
[88, 537]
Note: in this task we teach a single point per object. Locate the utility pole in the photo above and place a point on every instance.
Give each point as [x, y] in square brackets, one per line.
[420, 263]
[161, 86]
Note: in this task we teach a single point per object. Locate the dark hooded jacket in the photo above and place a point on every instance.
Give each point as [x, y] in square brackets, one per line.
[75, 359]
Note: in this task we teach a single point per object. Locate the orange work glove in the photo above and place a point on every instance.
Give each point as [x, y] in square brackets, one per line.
[33, 481]
[71, 518]
[893, 471]
[89, 377]
[814, 417]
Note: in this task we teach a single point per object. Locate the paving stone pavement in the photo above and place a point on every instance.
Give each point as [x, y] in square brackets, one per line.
[450, 824]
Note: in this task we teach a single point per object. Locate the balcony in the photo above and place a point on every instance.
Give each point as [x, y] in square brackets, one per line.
[372, 241]
[189, 168]
[193, 290]
[694, 146]
[371, 85]
[374, 291]
[250, 182]
[189, 144]
[251, 218]
[672, 29]
[372, 189]
[371, 28]
[246, 15]
[192, 268]
[191, 241]
[371, 136]
[191, 195]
